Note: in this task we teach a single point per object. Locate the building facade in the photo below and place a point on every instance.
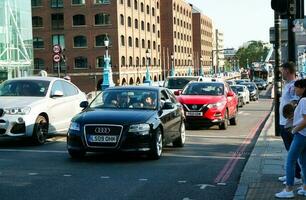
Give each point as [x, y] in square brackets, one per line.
[16, 50]
[202, 40]
[176, 37]
[80, 28]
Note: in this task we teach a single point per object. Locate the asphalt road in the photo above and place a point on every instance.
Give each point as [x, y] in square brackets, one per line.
[208, 167]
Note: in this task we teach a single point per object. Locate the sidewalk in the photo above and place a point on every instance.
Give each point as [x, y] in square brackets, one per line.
[259, 179]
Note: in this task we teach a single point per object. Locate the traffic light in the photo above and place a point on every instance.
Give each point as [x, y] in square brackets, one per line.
[280, 6]
[299, 9]
[289, 8]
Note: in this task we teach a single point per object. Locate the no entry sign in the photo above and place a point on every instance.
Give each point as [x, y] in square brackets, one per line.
[57, 48]
[56, 58]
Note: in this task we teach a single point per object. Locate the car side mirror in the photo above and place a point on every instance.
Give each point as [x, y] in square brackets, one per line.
[57, 93]
[84, 104]
[177, 92]
[168, 105]
[230, 94]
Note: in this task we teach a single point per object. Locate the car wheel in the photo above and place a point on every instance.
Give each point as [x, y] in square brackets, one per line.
[76, 154]
[157, 145]
[40, 130]
[224, 125]
[234, 120]
[180, 141]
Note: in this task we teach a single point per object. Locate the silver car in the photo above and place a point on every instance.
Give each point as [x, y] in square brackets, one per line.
[37, 106]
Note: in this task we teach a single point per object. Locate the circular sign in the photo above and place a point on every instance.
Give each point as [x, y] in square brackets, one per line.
[57, 48]
[56, 58]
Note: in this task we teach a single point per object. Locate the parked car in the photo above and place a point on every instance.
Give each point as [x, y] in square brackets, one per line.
[230, 82]
[122, 119]
[261, 84]
[243, 91]
[37, 106]
[253, 90]
[177, 83]
[209, 103]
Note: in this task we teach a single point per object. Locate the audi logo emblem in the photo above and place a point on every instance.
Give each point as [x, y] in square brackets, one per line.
[102, 130]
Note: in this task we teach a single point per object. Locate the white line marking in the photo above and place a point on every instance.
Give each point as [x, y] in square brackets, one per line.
[221, 183]
[194, 156]
[216, 136]
[32, 174]
[203, 186]
[142, 179]
[67, 175]
[182, 181]
[240, 112]
[104, 177]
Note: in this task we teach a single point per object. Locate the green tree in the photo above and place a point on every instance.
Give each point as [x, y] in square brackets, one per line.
[254, 52]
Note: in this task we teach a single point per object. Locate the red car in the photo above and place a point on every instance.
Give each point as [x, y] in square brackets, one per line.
[209, 103]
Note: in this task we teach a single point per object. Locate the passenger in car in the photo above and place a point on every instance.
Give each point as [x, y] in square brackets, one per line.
[149, 101]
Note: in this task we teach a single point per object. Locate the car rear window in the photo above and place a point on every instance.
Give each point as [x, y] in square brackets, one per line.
[179, 82]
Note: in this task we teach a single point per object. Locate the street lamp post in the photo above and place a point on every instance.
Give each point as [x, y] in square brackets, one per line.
[107, 72]
[148, 79]
[201, 67]
[212, 58]
[172, 71]
[189, 61]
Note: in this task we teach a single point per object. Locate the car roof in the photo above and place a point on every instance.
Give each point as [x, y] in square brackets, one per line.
[42, 78]
[136, 88]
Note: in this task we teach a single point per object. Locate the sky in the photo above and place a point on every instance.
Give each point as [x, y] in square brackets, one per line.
[240, 20]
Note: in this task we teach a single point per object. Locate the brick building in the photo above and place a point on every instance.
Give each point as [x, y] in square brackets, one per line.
[81, 26]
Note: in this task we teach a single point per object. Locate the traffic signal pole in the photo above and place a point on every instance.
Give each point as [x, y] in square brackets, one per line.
[291, 41]
[277, 74]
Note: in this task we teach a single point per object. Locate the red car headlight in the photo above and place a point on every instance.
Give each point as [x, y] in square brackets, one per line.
[216, 105]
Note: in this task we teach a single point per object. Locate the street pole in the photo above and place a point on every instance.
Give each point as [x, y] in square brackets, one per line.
[212, 60]
[291, 40]
[277, 74]
[58, 69]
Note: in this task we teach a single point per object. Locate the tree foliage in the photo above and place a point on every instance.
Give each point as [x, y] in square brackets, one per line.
[254, 52]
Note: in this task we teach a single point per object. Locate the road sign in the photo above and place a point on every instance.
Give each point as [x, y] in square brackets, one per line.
[56, 58]
[57, 48]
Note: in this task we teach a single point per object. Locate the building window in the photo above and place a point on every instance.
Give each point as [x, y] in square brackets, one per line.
[137, 61]
[78, 2]
[102, 19]
[59, 40]
[149, 44]
[148, 27]
[136, 42]
[153, 12]
[121, 1]
[157, 5]
[158, 19]
[130, 42]
[37, 21]
[153, 27]
[38, 43]
[143, 45]
[102, 1]
[130, 61]
[141, 7]
[154, 45]
[57, 4]
[36, 3]
[122, 41]
[154, 61]
[121, 19]
[122, 60]
[143, 61]
[142, 25]
[135, 5]
[79, 20]
[148, 9]
[136, 23]
[57, 21]
[100, 40]
[129, 22]
[129, 3]
[99, 61]
[80, 62]
[158, 34]
[39, 64]
[79, 41]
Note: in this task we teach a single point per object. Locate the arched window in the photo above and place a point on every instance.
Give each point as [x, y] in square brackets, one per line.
[129, 3]
[130, 61]
[100, 40]
[99, 61]
[153, 12]
[137, 61]
[142, 7]
[80, 62]
[38, 42]
[142, 25]
[148, 27]
[121, 19]
[149, 44]
[79, 20]
[157, 5]
[143, 45]
[135, 5]
[37, 21]
[136, 23]
[143, 61]
[136, 42]
[102, 19]
[153, 27]
[39, 64]
[154, 61]
[129, 22]
[122, 41]
[122, 60]
[154, 45]
[79, 41]
[148, 9]
[130, 42]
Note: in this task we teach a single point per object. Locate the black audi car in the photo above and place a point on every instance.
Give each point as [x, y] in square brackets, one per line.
[129, 118]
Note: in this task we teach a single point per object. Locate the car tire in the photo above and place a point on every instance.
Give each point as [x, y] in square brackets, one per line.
[40, 131]
[157, 145]
[233, 121]
[180, 141]
[224, 125]
[76, 154]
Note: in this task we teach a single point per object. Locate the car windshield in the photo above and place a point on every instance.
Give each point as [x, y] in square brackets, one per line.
[213, 89]
[126, 99]
[250, 87]
[28, 88]
[237, 88]
[178, 82]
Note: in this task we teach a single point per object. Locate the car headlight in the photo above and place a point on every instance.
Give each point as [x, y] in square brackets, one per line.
[17, 110]
[142, 129]
[75, 126]
[215, 105]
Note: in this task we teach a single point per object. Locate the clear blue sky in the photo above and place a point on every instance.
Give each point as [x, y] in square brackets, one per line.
[240, 20]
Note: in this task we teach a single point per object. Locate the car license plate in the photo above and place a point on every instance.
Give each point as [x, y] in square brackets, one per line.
[103, 138]
[194, 114]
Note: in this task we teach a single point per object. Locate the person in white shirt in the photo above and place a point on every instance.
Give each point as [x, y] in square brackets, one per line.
[288, 95]
[298, 146]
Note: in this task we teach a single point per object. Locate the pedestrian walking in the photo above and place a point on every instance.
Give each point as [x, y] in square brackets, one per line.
[288, 95]
[298, 146]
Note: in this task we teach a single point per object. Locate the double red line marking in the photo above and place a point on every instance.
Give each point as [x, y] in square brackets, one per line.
[227, 170]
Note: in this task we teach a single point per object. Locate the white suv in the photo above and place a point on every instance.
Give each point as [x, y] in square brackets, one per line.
[37, 106]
